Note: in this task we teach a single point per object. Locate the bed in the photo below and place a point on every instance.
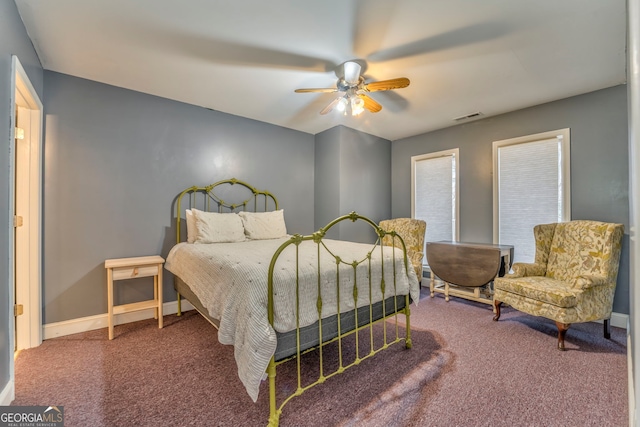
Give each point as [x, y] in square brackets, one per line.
[275, 296]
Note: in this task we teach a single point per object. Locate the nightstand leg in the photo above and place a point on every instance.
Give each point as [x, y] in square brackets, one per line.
[155, 296]
[159, 288]
[110, 301]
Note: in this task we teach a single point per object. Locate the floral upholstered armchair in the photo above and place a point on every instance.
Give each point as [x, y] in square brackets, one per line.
[573, 278]
[412, 232]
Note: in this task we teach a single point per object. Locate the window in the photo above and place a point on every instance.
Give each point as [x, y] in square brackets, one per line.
[434, 194]
[530, 186]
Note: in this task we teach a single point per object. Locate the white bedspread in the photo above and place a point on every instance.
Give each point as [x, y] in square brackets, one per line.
[230, 279]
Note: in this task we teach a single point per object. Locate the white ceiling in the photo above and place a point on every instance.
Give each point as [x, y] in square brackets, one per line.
[246, 57]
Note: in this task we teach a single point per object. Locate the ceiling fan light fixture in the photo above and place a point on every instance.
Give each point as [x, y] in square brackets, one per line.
[357, 106]
[342, 104]
[352, 88]
[352, 72]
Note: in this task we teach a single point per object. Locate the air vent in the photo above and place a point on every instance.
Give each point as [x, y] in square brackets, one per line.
[468, 116]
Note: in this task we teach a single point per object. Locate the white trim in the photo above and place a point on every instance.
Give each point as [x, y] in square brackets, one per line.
[12, 319]
[633, 99]
[617, 320]
[99, 321]
[30, 294]
[630, 386]
[8, 394]
[21, 84]
[564, 135]
[620, 320]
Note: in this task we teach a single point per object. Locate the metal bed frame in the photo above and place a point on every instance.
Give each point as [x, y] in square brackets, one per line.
[391, 307]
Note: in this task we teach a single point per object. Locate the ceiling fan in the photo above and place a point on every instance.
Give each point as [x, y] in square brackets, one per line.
[353, 90]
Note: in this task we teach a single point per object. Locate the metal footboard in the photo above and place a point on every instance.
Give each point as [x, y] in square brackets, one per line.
[390, 337]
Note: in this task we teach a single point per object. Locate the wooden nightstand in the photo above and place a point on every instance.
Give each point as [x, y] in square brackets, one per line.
[131, 268]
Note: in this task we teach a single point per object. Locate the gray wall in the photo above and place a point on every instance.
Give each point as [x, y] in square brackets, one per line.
[115, 160]
[599, 164]
[327, 179]
[353, 173]
[13, 41]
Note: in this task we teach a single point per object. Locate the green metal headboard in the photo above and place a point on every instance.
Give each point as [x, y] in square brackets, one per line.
[210, 200]
[260, 200]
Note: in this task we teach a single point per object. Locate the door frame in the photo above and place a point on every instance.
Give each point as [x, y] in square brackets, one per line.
[30, 292]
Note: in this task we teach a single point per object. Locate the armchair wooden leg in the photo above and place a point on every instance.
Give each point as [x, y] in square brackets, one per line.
[562, 331]
[497, 305]
[607, 328]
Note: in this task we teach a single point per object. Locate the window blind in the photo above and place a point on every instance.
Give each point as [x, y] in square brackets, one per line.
[435, 196]
[530, 192]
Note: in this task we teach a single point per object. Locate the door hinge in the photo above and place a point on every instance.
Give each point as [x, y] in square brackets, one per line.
[19, 133]
[17, 221]
[18, 309]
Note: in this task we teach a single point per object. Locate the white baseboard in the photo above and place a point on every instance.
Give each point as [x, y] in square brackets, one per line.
[8, 394]
[619, 320]
[99, 321]
[90, 323]
[631, 385]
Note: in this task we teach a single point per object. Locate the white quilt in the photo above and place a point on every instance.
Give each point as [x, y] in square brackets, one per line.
[230, 279]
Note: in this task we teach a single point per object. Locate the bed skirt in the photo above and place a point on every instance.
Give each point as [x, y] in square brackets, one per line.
[286, 346]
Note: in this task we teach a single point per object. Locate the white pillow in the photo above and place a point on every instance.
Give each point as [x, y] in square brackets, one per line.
[192, 230]
[213, 227]
[264, 225]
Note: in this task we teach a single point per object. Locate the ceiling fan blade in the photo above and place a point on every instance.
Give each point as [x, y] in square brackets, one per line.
[398, 83]
[458, 37]
[321, 90]
[368, 15]
[352, 72]
[331, 106]
[370, 104]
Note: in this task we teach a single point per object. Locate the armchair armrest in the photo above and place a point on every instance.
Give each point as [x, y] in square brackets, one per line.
[523, 269]
[588, 281]
[415, 257]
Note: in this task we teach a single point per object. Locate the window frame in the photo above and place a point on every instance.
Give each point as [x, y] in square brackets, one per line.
[455, 153]
[564, 135]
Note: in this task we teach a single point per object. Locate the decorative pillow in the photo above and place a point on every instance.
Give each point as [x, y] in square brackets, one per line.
[264, 225]
[192, 230]
[213, 227]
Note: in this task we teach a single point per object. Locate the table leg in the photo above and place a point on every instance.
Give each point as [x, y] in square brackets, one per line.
[432, 284]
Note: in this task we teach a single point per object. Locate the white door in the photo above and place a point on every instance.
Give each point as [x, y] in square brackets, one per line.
[26, 200]
[22, 226]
